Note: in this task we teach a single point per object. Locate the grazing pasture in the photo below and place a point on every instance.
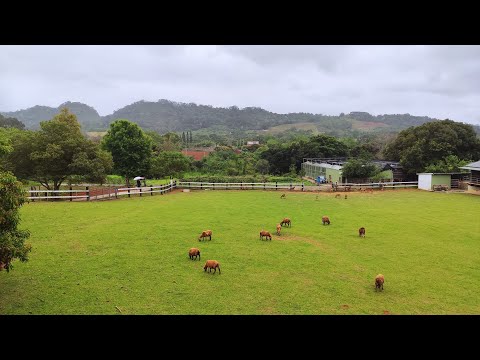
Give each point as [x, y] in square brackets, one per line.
[131, 256]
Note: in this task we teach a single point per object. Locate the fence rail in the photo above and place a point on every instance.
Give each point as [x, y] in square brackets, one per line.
[109, 193]
[238, 185]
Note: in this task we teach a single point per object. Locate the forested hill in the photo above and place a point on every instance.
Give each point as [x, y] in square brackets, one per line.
[31, 117]
[164, 115]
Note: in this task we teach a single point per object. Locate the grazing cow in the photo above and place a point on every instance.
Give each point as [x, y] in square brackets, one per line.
[379, 280]
[212, 264]
[279, 227]
[283, 196]
[361, 232]
[206, 233]
[194, 252]
[325, 220]
[265, 234]
[286, 221]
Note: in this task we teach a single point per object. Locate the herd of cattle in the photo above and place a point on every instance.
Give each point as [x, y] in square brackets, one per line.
[193, 253]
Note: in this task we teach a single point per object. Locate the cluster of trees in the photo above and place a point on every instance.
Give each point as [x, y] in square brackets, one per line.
[9, 122]
[55, 152]
[58, 150]
[164, 116]
[431, 144]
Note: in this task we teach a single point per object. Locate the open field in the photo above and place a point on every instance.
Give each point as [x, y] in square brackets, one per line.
[131, 255]
[300, 126]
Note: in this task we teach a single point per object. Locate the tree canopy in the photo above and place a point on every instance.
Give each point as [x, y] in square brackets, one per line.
[55, 152]
[418, 147]
[8, 122]
[131, 148]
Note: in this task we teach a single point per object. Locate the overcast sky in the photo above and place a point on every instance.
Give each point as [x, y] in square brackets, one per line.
[436, 81]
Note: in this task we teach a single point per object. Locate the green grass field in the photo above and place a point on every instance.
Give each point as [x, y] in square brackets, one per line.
[131, 255]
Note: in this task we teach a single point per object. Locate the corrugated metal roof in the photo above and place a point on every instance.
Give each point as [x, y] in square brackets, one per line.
[472, 166]
[324, 165]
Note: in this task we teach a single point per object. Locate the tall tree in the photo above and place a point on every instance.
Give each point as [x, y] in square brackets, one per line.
[183, 137]
[418, 147]
[131, 148]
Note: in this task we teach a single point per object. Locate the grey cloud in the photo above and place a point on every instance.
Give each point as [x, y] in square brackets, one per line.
[436, 81]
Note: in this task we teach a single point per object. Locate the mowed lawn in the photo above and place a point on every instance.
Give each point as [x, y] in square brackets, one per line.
[131, 255]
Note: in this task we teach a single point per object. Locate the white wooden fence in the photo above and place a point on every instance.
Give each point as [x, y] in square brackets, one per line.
[162, 189]
[238, 186]
[56, 194]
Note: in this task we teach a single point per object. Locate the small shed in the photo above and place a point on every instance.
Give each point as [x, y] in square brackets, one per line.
[434, 181]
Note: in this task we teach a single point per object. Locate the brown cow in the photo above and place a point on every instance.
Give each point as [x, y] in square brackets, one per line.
[286, 221]
[279, 227]
[361, 232]
[265, 234]
[206, 233]
[379, 280]
[194, 252]
[212, 264]
[325, 220]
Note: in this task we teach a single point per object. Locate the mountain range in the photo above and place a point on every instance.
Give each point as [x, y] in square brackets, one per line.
[164, 116]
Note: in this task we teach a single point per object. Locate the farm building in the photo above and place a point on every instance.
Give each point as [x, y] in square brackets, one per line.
[330, 170]
[323, 170]
[473, 179]
[435, 181]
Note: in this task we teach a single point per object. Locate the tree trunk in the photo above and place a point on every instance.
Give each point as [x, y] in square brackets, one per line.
[127, 181]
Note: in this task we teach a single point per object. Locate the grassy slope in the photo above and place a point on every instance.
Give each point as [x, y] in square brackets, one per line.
[132, 253]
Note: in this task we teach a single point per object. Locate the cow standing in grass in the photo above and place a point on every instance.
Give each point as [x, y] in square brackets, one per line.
[205, 234]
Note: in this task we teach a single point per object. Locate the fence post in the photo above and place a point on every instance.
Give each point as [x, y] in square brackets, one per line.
[116, 193]
[32, 194]
[88, 193]
[264, 183]
[241, 185]
[46, 195]
[129, 191]
[213, 186]
[140, 191]
[151, 191]
[276, 185]
[302, 186]
[252, 186]
[71, 193]
[201, 185]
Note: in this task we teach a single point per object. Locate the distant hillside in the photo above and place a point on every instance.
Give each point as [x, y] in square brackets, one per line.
[31, 117]
[164, 115]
